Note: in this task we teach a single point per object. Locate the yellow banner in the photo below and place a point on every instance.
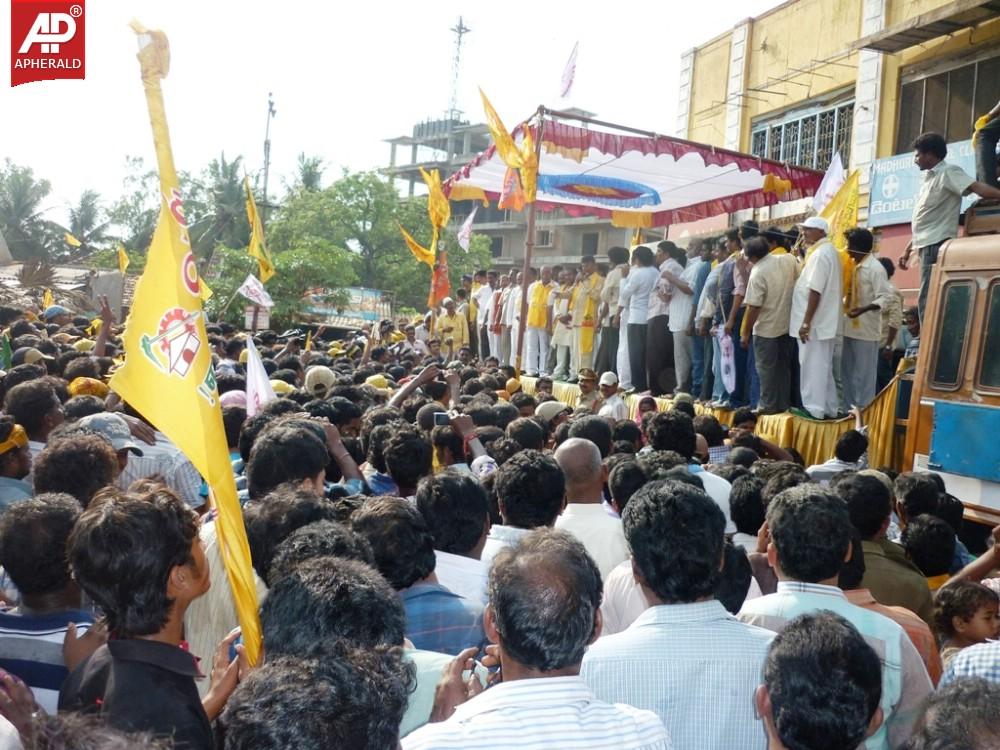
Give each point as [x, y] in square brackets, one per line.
[842, 211]
[122, 260]
[420, 252]
[257, 248]
[168, 375]
[71, 240]
[523, 158]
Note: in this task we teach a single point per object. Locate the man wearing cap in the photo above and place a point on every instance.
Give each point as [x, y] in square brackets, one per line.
[613, 406]
[554, 413]
[29, 355]
[58, 315]
[452, 325]
[539, 324]
[583, 307]
[15, 463]
[320, 380]
[114, 429]
[815, 319]
[588, 388]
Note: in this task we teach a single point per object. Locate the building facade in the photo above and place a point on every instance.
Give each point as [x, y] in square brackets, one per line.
[863, 78]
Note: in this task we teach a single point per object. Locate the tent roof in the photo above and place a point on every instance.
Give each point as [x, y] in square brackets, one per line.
[605, 168]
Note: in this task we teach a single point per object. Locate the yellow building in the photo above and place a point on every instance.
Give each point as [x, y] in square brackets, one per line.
[810, 78]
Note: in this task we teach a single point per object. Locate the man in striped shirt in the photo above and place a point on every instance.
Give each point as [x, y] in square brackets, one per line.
[810, 540]
[545, 596]
[685, 657]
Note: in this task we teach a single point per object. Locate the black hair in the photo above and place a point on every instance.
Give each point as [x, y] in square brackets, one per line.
[522, 400]
[742, 415]
[867, 501]
[734, 582]
[811, 531]
[271, 519]
[285, 452]
[251, 428]
[656, 464]
[851, 446]
[742, 456]
[446, 436]
[33, 535]
[595, 429]
[377, 439]
[527, 433]
[336, 697]
[642, 255]
[318, 539]
[931, 143]
[917, 493]
[80, 731]
[82, 367]
[951, 510]
[122, 551]
[960, 599]
[617, 255]
[455, 507]
[401, 541]
[749, 229]
[30, 403]
[331, 598]
[408, 456]
[684, 407]
[852, 572]
[824, 682]
[930, 544]
[625, 479]
[503, 449]
[709, 428]
[233, 417]
[675, 533]
[782, 475]
[504, 413]
[672, 431]
[545, 594]
[730, 472]
[859, 239]
[961, 715]
[79, 464]
[286, 375]
[756, 248]
[530, 489]
[745, 504]
[627, 430]
[79, 407]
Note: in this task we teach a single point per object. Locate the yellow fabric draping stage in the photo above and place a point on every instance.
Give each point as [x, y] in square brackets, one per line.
[815, 440]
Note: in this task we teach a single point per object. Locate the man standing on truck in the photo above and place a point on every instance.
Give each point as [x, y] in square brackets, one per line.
[938, 206]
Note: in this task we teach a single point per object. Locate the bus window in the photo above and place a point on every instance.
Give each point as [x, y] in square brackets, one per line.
[989, 360]
[952, 334]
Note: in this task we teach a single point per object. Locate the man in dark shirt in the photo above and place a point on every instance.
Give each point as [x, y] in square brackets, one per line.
[138, 556]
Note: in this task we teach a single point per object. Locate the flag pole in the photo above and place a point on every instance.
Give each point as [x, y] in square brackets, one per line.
[529, 246]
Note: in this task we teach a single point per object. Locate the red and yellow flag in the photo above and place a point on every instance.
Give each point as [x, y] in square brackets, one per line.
[168, 375]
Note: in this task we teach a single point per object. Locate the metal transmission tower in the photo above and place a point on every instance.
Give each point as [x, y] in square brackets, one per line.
[460, 30]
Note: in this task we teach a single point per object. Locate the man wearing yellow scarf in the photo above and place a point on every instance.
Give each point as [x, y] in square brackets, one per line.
[868, 293]
[539, 325]
[583, 308]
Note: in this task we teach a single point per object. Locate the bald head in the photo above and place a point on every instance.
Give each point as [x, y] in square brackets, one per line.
[580, 461]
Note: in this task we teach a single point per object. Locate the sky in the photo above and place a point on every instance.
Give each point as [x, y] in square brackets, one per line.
[345, 77]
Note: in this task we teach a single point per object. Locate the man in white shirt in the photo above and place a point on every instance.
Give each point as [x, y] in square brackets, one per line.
[869, 294]
[681, 312]
[659, 343]
[607, 352]
[542, 615]
[512, 320]
[938, 206]
[585, 516]
[613, 406]
[562, 328]
[531, 493]
[685, 656]
[815, 320]
[637, 285]
[483, 298]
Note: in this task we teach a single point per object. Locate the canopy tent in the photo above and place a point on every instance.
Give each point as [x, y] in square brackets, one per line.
[635, 178]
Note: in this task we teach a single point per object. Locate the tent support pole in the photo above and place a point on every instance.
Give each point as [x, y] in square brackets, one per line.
[529, 246]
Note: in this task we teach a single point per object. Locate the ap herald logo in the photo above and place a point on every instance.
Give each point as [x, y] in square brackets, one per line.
[47, 41]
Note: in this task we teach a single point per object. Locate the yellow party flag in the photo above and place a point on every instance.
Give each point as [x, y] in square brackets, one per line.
[71, 240]
[206, 291]
[523, 158]
[420, 252]
[122, 259]
[309, 341]
[506, 148]
[257, 248]
[842, 211]
[47, 299]
[168, 375]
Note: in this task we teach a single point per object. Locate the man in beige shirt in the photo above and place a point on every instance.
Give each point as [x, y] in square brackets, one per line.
[769, 307]
[867, 295]
[452, 325]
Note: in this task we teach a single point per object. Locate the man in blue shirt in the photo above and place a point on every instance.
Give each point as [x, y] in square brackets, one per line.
[15, 463]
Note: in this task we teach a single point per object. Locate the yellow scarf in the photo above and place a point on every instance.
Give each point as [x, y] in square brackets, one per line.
[537, 317]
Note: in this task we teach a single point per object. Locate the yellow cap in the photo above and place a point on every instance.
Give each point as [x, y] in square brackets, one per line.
[85, 345]
[281, 388]
[243, 356]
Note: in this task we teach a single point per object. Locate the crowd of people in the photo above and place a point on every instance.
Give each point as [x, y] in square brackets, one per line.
[447, 556]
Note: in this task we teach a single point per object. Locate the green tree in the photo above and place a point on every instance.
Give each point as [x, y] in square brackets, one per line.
[89, 223]
[28, 233]
[309, 175]
[215, 207]
[135, 212]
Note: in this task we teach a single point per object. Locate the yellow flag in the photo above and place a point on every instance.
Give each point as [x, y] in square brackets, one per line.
[206, 292]
[506, 148]
[71, 240]
[258, 248]
[122, 259]
[168, 375]
[842, 211]
[420, 252]
[309, 341]
[47, 299]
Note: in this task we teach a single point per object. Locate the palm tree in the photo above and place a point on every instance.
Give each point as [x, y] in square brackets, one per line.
[216, 208]
[28, 234]
[310, 173]
[89, 223]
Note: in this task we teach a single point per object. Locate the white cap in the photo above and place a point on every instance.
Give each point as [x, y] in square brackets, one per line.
[608, 378]
[816, 222]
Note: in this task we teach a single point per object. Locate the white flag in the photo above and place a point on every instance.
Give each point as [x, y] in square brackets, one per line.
[465, 232]
[833, 180]
[259, 390]
[569, 74]
[254, 291]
